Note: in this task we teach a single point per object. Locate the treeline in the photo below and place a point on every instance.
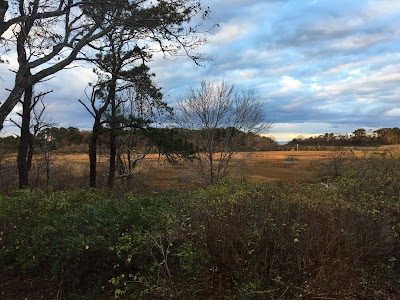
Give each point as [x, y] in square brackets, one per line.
[359, 137]
[73, 139]
[61, 137]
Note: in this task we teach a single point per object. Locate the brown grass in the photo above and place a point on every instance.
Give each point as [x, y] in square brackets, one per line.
[156, 173]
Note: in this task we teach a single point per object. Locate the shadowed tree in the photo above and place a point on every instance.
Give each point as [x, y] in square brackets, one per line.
[100, 100]
[117, 62]
[122, 62]
[49, 34]
[32, 123]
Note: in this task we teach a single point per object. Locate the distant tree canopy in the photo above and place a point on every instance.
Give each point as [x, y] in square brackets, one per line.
[9, 142]
[247, 141]
[68, 136]
[359, 137]
[169, 138]
[252, 142]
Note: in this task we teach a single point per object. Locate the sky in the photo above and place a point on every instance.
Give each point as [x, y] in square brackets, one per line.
[320, 66]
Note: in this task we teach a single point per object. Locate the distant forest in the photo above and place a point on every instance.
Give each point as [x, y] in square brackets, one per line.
[360, 137]
[72, 139]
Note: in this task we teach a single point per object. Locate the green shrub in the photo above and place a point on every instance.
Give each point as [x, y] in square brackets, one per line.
[68, 235]
[370, 183]
[229, 241]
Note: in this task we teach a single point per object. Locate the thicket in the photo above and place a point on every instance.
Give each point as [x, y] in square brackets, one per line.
[339, 240]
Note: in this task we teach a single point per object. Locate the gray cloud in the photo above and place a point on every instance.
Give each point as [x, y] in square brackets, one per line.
[334, 64]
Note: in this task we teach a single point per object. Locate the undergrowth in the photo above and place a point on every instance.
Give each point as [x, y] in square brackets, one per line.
[230, 241]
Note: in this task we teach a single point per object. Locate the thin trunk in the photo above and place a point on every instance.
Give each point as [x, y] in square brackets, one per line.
[22, 159]
[211, 159]
[30, 151]
[47, 160]
[93, 152]
[113, 161]
[113, 134]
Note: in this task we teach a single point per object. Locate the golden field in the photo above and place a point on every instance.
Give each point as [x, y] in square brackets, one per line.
[156, 173]
[287, 166]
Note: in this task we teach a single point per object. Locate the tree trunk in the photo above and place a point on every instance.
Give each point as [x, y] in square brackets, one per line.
[30, 151]
[22, 158]
[113, 161]
[93, 152]
[113, 134]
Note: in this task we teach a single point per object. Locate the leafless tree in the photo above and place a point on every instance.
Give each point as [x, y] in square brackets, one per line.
[216, 116]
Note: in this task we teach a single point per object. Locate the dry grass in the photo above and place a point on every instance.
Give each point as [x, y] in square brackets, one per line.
[156, 173]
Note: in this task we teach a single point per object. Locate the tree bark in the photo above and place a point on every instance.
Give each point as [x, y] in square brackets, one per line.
[22, 158]
[113, 134]
[93, 152]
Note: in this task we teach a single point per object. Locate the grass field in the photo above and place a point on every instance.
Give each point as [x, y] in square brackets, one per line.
[156, 173]
[286, 166]
[235, 240]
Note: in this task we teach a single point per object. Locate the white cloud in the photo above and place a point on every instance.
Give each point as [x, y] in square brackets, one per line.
[320, 63]
[290, 83]
[229, 33]
[315, 87]
[395, 112]
[355, 72]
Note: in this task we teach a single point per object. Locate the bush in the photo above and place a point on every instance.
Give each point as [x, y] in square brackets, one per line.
[68, 235]
[288, 242]
[370, 181]
[229, 241]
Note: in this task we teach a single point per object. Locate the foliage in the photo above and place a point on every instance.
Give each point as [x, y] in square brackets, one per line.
[359, 137]
[238, 241]
[50, 35]
[66, 234]
[371, 182]
[63, 136]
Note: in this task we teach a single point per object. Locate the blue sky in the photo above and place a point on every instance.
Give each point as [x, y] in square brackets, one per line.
[320, 66]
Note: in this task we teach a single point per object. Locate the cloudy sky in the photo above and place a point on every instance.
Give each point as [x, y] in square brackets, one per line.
[320, 65]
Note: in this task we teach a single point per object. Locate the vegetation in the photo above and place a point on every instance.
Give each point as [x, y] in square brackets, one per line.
[360, 137]
[335, 238]
[71, 28]
[215, 114]
[229, 241]
[118, 37]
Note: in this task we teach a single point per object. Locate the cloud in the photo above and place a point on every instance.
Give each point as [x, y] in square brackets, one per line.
[394, 112]
[324, 66]
[290, 83]
[315, 87]
[229, 33]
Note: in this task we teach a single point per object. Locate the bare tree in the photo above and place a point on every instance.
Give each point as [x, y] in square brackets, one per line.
[216, 117]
